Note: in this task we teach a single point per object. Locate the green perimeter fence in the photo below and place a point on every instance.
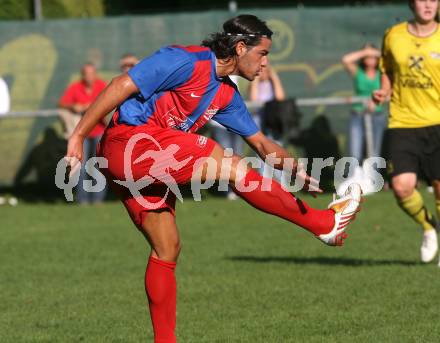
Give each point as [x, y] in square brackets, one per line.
[39, 59]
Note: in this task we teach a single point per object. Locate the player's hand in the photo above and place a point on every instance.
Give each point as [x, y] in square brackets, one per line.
[311, 185]
[379, 96]
[74, 153]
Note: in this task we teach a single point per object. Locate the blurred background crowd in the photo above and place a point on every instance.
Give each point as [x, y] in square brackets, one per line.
[56, 56]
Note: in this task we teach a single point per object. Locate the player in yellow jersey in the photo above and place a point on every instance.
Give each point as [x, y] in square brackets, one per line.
[410, 66]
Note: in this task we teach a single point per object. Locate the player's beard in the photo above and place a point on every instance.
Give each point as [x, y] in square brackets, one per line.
[247, 73]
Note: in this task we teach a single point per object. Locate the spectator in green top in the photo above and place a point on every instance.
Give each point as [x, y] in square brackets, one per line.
[363, 66]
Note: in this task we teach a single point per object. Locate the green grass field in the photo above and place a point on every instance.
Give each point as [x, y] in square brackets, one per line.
[70, 273]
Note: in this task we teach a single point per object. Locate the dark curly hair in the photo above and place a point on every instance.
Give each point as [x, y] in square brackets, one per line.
[246, 28]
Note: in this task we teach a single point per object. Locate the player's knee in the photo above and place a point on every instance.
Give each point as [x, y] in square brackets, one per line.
[173, 250]
[238, 169]
[177, 248]
[160, 230]
[168, 251]
[402, 190]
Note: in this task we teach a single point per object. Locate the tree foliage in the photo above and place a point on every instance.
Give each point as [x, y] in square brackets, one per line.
[15, 9]
[23, 9]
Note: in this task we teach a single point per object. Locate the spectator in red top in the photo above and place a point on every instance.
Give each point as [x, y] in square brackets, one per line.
[78, 97]
[73, 104]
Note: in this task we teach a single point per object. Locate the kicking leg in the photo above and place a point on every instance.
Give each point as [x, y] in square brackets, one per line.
[280, 202]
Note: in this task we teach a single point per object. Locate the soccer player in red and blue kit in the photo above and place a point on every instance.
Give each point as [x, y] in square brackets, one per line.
[169, 96]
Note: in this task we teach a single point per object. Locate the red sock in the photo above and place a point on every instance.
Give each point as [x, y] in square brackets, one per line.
[160, 285]
[281, 203]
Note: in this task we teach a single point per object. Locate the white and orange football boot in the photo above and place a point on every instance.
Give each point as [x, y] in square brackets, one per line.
[345, 209]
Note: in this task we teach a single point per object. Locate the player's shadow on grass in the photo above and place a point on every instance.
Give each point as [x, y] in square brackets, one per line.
[322, 260]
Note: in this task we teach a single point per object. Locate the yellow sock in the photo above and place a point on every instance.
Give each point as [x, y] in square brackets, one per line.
[414, 207]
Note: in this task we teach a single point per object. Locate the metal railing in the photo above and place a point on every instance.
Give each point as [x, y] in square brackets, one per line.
[252, 105]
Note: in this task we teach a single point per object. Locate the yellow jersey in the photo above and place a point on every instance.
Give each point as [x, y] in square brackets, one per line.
[413, 64]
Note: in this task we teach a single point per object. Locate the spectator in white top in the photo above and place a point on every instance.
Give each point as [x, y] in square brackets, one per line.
[267, 87]
[5, 101]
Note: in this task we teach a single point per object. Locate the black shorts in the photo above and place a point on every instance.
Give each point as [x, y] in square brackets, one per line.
[415, 150]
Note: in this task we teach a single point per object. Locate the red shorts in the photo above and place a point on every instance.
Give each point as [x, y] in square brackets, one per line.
[163, 157]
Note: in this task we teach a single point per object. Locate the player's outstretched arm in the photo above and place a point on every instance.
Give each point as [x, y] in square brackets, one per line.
[119, 89]
[263, 146]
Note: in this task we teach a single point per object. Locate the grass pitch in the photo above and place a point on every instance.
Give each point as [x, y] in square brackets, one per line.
[70, 274]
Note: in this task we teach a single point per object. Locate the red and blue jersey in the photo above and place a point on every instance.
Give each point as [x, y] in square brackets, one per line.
[179, 88]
